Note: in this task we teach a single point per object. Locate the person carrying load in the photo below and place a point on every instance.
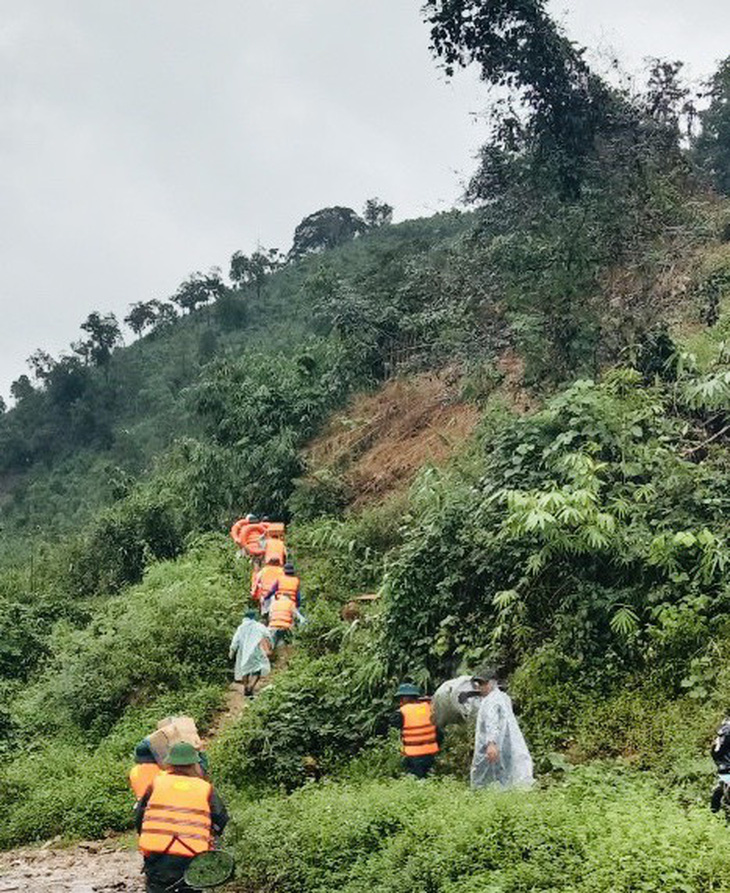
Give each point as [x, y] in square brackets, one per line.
[289, 584]
[420, 737]
[283, 614]
[238, 530]
[262, 584]
[145, 769]
[151, 753]
[250, 535]
[176, 819]
[275, 550]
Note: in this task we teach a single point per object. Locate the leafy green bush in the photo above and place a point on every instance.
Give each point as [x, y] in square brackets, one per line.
[165, 635]
[600, 833]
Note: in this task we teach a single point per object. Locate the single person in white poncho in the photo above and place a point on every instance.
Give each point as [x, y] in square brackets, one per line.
[501, 756]
[251, 646]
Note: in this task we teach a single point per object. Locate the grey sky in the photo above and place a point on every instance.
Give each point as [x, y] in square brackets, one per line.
[143, 139]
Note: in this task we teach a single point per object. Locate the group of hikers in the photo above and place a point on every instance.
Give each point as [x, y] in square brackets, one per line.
[178, 813]
[277, 592]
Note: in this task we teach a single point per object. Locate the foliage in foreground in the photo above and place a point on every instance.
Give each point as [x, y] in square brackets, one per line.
[600, 832]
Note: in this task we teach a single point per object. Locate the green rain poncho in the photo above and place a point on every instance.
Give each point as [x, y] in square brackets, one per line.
[246, 646]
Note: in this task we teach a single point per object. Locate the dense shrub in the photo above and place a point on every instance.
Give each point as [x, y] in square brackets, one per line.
[600, 832]
[167, 634]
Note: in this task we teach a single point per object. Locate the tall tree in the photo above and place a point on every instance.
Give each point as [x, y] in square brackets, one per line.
[165, 315]
[142, 314]
[377, 213]
[42, 364]
[255, 269]
[325, 229]
[104, 335]
[521, 49]
[199, 288]
[21, 389]
[712, 148]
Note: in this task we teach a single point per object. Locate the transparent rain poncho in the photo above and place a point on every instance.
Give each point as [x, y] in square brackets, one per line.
[496, 723]
[246, 645]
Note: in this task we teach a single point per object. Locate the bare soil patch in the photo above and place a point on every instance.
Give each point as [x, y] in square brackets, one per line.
[381, 440]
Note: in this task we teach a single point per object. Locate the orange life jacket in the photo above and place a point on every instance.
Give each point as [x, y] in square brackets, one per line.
[264, 580]
[289, 585]
[281, 615]
[418, 735]
[141, 777]
[275, 551]
[177, 819]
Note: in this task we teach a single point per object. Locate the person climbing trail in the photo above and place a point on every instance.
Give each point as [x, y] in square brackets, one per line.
[251, 645]
[178, 817]
[151, 752]
[262, 584]
[282, 617]
[275, 548]
[420, 738]
[289, 584]
[145, 769]
[249, 534]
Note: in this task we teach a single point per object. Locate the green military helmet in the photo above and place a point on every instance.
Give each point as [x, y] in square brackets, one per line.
[182, 754]
[408, 690]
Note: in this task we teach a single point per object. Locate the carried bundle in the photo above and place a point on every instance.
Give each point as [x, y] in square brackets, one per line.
[172, 730]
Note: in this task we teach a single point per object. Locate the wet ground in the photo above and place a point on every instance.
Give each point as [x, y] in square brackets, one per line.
[93, 867]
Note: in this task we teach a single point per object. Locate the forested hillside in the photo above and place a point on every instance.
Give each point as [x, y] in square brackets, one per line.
[573, 326]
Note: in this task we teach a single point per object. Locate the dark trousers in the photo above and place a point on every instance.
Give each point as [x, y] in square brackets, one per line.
[163, 870]
[419, 766]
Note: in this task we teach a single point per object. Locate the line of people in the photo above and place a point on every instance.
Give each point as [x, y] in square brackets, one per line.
[178, 813]
[275, 589]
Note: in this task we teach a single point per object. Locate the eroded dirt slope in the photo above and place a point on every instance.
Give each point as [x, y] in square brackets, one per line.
[381, 440]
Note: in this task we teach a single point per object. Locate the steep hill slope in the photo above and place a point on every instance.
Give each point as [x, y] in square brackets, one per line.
[486, 421]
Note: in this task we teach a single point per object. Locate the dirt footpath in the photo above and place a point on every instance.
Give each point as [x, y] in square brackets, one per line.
[94, 867]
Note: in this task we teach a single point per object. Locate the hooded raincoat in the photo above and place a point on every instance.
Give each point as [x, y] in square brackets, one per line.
[496, 724]
[246, 646]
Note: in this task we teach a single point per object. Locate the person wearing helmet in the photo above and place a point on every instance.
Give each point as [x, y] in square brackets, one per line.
[420, 737]
[178, 817]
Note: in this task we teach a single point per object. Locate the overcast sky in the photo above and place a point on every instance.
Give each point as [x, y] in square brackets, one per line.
[143, 139]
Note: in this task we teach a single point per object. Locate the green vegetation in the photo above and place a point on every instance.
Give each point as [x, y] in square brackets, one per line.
[598, 832]
[579, 539]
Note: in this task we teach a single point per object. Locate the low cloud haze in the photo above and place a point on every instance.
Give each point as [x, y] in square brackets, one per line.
[140, 141]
